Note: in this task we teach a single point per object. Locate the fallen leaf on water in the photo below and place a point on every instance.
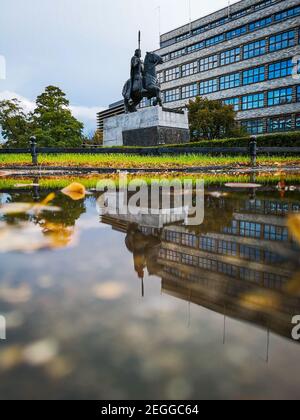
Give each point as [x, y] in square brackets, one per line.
[40, 352]
[294, 226]
[75, 191]
[109, 290]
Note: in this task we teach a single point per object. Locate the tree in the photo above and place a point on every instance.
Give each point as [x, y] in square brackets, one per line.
[53, 122]
[94, 138]
[15, 124]
[212, 120]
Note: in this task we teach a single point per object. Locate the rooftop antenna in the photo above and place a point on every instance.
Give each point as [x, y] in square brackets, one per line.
[229, 9]
[159, 20]
[190, 13]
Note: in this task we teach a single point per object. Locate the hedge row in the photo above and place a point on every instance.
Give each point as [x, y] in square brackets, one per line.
[270, 140]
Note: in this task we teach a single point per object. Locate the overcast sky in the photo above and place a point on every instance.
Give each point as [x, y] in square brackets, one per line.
[83, 46]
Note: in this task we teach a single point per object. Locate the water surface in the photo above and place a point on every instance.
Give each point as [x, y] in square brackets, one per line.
[105, 308]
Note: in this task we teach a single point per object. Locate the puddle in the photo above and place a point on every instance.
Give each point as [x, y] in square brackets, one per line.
[112, 307]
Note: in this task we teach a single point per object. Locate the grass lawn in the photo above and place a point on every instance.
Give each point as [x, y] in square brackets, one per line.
[139, 162]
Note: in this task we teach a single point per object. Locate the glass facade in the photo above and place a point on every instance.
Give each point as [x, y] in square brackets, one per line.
[190, 91]
[255, 75]
[255, 49]
[230, 81]
[280, 96]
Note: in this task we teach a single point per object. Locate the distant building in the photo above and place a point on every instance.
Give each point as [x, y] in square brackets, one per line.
[245, 55]
[116, 108]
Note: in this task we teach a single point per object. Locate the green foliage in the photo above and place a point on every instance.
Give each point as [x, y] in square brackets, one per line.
[291, 139]
[15, 124]
[51, 122]
[212, 119]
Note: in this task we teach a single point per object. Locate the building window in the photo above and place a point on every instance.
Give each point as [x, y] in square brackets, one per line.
[295, 11]
[253, 101]
[234, 102]
[195, 47]
[255, 75]
[230, 81]
[189, 240]
[260, 23]
[249, 253]
[207, 244]
[276, 233]
[172, 236]
[250, 275]
[255, 49]
[146, 103]
[298, 93]
[231, 56]
[190, 91]
[215, 40]
[281, 69]
[178, 53]
[209, 63]
[160, 77]
[209, 86]
[189, 69]
[172, 95]
[236, 32]
[183, 37]
[227, 248]
[285, 40]
[297, 122]
[250, 229]
[280, 96]
[172, 74]
[279, 124]
[253, 126]
[190, 260]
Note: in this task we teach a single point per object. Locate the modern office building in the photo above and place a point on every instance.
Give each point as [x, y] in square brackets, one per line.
[116, 108]
[246, 55]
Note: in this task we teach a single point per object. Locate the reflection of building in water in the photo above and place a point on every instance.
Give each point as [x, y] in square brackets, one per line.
[241, 260]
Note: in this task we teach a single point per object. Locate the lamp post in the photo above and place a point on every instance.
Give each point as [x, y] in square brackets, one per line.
[33, 150]
[253, 150]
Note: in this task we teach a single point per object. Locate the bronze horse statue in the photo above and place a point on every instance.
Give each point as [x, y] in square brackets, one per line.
[143, 82]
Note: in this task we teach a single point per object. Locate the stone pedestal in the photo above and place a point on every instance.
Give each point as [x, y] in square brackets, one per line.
[147, 127]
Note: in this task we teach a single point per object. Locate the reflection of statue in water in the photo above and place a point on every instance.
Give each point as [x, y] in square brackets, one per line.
[143, 81]
[145, 251]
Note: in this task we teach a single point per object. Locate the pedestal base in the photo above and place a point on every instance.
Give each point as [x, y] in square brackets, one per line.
[147, 127]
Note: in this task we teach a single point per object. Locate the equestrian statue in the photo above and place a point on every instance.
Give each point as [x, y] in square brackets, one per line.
[143, 81]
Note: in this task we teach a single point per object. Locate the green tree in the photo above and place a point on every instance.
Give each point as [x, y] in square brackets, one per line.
[53, 122]
[212, 120]
[15, 124]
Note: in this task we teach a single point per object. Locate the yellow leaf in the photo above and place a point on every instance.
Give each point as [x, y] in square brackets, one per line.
[48, 199]
[75, 191]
